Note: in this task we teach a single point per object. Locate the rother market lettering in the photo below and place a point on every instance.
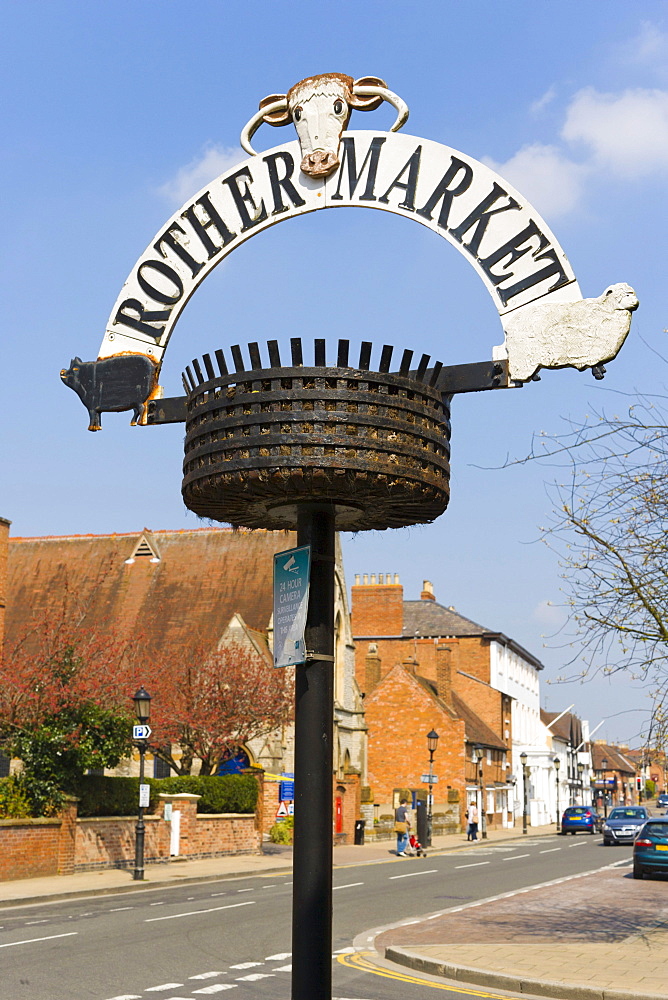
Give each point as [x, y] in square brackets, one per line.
[457, 197]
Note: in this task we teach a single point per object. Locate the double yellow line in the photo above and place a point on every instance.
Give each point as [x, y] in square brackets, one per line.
[359, 960]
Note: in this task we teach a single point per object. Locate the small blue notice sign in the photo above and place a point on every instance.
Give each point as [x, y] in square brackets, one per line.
[291, 585]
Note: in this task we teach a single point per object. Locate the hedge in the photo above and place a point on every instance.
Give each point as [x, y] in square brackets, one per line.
[109, 796]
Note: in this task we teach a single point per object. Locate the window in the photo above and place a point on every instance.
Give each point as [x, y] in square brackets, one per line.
[161, 768]
[4, 766]
[489, 756]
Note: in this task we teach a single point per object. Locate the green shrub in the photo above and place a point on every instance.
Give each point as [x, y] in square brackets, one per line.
[14, 799]
[109, 796]
[281, 832]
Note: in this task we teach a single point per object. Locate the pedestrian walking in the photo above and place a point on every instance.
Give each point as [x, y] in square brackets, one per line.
[402, 825]
[472, 817]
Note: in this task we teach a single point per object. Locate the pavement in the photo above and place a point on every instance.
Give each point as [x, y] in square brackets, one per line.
[602, 936]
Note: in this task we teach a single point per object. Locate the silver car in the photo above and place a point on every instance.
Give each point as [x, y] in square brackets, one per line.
[623, 824]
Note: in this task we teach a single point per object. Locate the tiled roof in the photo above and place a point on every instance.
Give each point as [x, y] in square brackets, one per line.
[428, 618]
[568, 728]
[616, 761]
[185, 595]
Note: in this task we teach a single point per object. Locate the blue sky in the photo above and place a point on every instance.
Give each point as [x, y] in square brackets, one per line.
[114, 113]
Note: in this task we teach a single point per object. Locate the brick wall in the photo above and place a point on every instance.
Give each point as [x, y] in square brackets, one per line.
[377, 608]
[399, 714]
[28, 848]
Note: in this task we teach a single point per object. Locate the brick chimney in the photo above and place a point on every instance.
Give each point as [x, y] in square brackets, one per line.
[410, 664]
[427, 591]
[377, 606]
[4, 546]
[371, 668]
[444, 672]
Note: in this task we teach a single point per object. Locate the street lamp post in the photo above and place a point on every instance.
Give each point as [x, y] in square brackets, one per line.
[483, 817]
[525, 782]
[142, 703]
[604, 768]
[557, 765]
[581, 768]
[432, 743]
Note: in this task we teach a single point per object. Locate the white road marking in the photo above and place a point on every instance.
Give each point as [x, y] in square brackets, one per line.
[348, 886]
[581, 843]
[254, 976]
[207, 975]
[550, 850]
[244, 890]
[216, 988]
[218, 893]
[117, 909]
[157, 904]
[516, 857]
[51, 937]
[163, 987]
[272, 886]
[30, 922]
[246, 965]
[430, 872]
[281, 957]
[283, 968]
[345, 951]
[194, 913]
[130, 996]
[474, 864]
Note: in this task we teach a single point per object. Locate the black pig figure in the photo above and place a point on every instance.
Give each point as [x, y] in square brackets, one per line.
[111, 385]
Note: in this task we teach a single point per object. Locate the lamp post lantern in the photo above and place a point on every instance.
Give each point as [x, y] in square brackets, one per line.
[525, 784]
[142, 704]
[432, 743]
[557, 765]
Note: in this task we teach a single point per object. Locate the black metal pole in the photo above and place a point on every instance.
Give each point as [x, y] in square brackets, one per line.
[429, 805]
[483, 814]
[314, 766]
[525, 789]
[139, 840]
[558, 815]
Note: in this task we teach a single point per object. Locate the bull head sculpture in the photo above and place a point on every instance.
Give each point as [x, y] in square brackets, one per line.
[320, 108]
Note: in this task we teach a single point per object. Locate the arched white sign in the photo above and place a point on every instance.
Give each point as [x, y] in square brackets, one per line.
[481, 215]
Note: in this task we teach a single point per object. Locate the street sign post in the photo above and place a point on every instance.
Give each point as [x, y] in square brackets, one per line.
[141, 732]
[429, 779]
[291, 587]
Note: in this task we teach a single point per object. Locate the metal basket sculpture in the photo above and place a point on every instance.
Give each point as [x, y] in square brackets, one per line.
[261, 441]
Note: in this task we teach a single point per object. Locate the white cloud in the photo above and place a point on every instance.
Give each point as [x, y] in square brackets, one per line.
[188, 180]
[549, 615]
[539, 106]
[627, 133]
[648, 49]
[546, 176]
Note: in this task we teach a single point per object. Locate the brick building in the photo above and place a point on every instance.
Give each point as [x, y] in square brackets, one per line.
[614, 781]
[422, 666]
[206, 585]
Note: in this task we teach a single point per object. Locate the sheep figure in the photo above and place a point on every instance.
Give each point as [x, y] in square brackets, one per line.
[582, 334]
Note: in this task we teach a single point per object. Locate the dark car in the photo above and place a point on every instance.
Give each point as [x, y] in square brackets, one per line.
[577, 818]
[662, 800]
[650, 849]
[623, 824]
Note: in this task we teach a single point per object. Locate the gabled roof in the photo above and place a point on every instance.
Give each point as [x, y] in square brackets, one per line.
[616, 761]
[568, 728]
[183, 595]
[475, 729]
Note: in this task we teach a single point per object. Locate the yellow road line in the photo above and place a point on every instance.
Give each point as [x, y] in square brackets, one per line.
[360, 961]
